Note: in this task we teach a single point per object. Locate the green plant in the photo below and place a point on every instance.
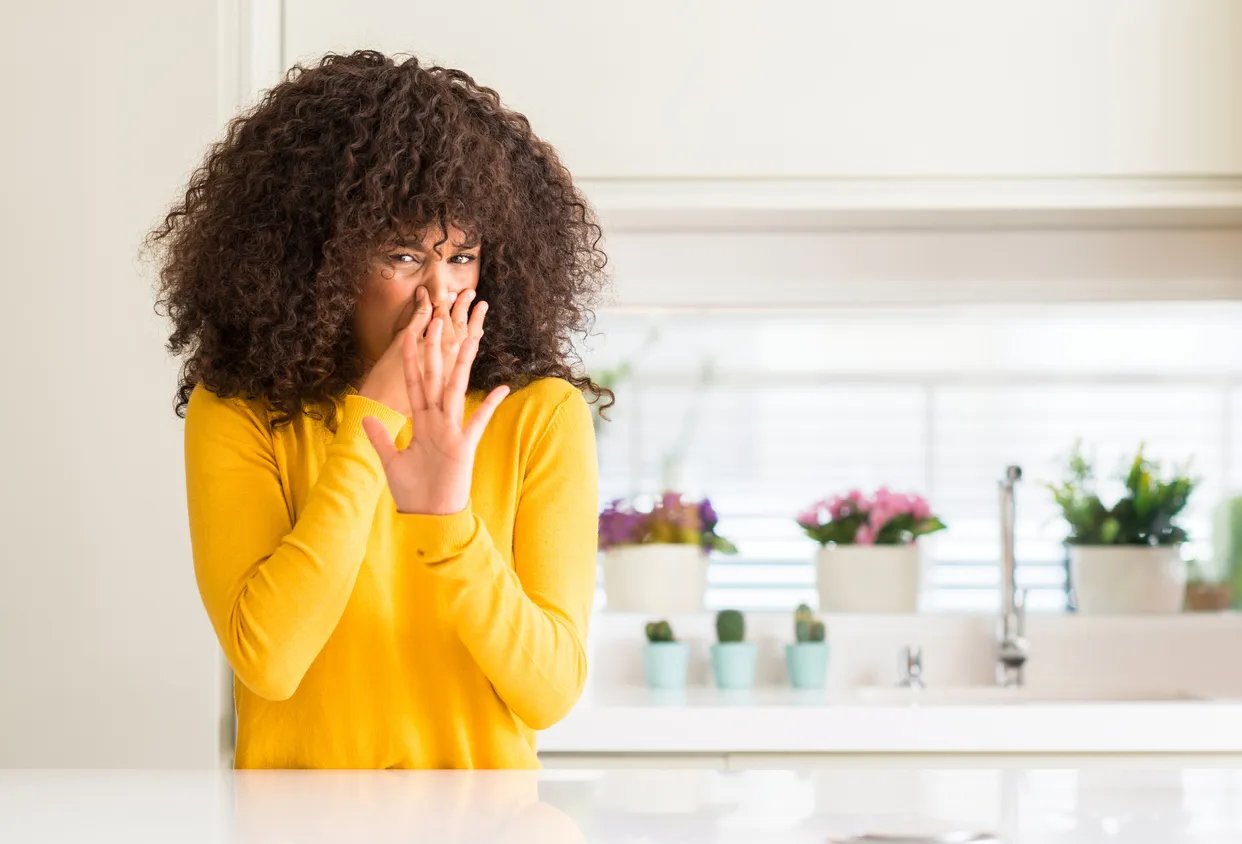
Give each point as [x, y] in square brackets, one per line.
[730, 626]
[660, 631]
[1227, 544]
[807, 628]
[1142, 516]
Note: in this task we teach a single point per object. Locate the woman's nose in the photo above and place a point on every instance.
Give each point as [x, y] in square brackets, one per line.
[440, 296]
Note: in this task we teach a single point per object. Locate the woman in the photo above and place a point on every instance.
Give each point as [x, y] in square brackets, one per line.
[393, 512]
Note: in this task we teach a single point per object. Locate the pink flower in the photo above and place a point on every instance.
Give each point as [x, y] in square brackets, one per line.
[919, 508]
[838, 507]
[865, 535]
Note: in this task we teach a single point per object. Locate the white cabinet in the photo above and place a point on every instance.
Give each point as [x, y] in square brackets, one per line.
[886, 88]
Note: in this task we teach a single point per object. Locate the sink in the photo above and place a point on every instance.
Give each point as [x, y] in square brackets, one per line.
[989, 695]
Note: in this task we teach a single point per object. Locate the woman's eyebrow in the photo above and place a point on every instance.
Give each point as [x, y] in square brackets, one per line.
[416, 246]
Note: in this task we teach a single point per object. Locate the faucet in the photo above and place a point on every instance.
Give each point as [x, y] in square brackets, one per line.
[911, 668]
[1012, 647]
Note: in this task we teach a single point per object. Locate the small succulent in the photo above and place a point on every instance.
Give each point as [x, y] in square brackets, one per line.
[660, 631]
[807, 628]
[730, 626]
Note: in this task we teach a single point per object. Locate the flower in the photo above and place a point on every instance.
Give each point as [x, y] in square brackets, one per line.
[919, 508]
[671, 519]
[886, 517]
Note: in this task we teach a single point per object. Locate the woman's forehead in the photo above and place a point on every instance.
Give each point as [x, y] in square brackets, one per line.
[428, 235]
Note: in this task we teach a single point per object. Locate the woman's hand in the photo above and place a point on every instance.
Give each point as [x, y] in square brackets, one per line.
[433, 473]
[385, 382]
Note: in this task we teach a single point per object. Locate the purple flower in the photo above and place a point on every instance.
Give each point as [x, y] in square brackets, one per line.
[671, 519]
[707, 514]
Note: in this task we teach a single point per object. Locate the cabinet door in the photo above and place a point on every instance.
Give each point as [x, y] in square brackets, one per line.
[787, 88]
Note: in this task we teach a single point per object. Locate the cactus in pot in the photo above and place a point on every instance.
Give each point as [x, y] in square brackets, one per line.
[807, 628]
[660, 631]
[730, 626]
[733, 658]
[665, 660]
[806, 659]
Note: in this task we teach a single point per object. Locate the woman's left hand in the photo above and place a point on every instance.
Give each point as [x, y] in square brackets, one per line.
[432, 475]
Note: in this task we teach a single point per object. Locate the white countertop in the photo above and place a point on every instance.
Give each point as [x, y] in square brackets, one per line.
[785, 720]
[1021, 806]
[1132, 684]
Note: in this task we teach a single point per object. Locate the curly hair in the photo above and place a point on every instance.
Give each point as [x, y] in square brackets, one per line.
[260, 263]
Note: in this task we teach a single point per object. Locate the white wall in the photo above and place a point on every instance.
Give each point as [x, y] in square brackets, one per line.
[106, 656]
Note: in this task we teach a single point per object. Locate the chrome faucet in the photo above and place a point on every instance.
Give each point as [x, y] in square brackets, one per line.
[1012, 647]
[911, 668]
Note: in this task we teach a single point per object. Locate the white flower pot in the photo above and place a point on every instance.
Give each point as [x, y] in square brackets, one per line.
[658, 577]
[869, 578]
[1128, 578]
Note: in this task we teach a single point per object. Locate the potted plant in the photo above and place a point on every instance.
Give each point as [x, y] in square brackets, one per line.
[1125, 558]
[869, 559]
[656, 560]
[665, 659]
[733, 658]
[806, 659]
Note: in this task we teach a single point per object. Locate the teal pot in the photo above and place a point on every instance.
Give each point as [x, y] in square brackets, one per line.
[666, 664]
[807, 663]
[733, 663]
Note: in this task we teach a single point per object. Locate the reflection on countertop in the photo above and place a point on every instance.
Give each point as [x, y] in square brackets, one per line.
[1024, 805]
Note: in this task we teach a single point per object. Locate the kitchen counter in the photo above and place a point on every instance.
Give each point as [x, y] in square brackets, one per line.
[1093, 684]
[1021, 805]
[785, 720]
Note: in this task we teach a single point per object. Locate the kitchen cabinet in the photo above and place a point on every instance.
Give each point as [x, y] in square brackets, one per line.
[962, 89]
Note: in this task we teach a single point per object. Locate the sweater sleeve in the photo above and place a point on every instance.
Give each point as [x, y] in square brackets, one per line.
[275, 590]
[526, 626]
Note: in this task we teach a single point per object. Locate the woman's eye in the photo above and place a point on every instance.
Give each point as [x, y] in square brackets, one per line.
[403, 258]
[466, 259]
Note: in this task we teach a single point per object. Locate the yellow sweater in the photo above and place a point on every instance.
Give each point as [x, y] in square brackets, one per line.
[361, 637]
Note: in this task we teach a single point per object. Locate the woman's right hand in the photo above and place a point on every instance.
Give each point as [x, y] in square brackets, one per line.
[385, 382]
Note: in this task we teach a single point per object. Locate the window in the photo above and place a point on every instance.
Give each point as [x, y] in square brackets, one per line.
[769, 411]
